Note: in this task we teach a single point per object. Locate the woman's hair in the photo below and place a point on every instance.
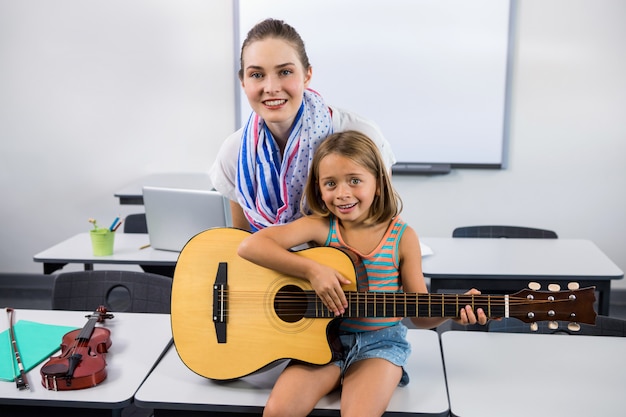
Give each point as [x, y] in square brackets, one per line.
[363, 151]
[278, 29]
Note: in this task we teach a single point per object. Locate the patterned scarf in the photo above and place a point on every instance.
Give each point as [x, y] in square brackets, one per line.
[269, 189]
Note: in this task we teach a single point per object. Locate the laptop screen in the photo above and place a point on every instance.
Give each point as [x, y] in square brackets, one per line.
[175, 215]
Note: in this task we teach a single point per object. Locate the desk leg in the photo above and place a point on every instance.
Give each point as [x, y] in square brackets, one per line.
[604, 296]
[49, 268]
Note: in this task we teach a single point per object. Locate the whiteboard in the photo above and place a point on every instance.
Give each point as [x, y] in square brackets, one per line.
[433, 74]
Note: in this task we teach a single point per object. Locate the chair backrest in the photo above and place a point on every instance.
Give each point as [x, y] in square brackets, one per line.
[518, 232]
[121, 291]
[136, 223]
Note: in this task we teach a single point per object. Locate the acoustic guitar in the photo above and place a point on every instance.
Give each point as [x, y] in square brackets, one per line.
[231, 317]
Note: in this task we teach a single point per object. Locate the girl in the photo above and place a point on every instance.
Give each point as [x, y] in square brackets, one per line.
[354, 207]
[262, 167]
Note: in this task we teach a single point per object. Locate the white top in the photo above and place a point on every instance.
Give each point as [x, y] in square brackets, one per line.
[521, 375]
[137, 342]
[223, 173]
[425, 394]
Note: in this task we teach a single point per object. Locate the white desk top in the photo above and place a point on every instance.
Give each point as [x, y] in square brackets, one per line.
[515, 258]
[126, 250]
[506, 374]
[425, 394]
[129, 360]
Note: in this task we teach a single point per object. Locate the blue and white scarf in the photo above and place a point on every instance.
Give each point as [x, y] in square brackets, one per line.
[269, 189]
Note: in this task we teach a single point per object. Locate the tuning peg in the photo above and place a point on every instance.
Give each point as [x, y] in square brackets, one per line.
[535, 286]
[553, 325]
[554, 287]
[534, 327]
[574, 327]
[573, 286]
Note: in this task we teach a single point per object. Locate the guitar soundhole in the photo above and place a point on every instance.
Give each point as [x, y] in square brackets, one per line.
[290, 303]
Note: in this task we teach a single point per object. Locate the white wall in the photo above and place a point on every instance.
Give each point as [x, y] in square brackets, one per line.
[96, 94]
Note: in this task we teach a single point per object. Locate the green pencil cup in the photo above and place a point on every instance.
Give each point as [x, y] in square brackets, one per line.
[102, 242]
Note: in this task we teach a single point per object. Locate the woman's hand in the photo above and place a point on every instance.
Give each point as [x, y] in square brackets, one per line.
[467, 314]
[327, 284]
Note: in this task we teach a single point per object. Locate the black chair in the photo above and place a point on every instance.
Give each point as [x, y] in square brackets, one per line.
[25, 290]
[517, 232]
[118, 291]
[135, 223]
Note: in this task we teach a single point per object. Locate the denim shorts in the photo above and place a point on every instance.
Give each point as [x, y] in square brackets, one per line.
[389, 343]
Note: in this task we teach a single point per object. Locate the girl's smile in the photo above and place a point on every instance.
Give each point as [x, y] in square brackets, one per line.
[347, 188]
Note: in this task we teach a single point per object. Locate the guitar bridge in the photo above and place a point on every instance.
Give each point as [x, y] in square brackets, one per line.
[220, 301]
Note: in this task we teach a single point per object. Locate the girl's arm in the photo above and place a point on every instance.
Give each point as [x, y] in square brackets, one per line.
[413, 282]
[270, 248]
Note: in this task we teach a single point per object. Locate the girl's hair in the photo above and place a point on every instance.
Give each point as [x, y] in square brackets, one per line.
[278, 29]
[363, 151]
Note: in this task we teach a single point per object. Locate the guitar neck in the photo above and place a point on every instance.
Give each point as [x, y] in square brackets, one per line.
[385, 304]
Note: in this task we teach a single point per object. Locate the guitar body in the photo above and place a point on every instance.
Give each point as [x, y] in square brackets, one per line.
[255, 333]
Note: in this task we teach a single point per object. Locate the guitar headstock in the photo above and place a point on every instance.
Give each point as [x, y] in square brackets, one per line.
[572, 305]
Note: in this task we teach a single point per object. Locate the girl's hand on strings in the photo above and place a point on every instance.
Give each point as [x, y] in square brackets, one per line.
[469, 316]
[327, 284]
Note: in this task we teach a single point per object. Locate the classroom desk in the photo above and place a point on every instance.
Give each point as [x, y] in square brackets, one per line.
[132, 355]
[126, 250]
[502, 265]
[133, 192]
[506, 374]
[424, 395]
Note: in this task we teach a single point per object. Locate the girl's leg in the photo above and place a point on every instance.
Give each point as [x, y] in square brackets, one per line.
[299, 387]
[367, 387]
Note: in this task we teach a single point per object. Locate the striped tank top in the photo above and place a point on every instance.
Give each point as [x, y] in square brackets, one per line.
[376, 271]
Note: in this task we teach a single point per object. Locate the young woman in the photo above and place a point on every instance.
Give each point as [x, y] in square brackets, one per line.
[262, 167]
[355, 208]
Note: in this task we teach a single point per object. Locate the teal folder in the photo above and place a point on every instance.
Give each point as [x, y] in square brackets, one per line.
[35, 342]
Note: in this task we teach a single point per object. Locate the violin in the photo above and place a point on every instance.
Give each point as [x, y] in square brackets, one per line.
[82, 362]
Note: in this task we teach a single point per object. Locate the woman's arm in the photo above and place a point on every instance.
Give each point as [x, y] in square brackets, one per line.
[239, 219]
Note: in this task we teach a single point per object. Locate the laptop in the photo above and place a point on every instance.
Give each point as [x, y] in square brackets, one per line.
[175, 215]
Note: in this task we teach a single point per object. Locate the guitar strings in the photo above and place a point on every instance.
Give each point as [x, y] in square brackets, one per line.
[293, 303]
[390, 298]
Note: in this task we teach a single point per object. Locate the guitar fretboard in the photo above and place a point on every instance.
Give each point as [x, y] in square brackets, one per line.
[384, 304]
